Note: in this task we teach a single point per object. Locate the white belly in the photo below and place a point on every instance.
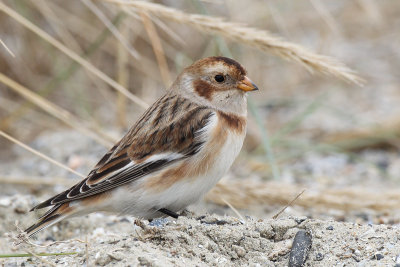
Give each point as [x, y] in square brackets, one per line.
[188, 191]
[145, 203]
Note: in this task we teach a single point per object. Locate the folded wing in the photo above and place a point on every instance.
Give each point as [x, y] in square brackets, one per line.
[161, 137]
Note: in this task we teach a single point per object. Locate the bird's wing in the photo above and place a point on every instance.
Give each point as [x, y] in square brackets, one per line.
[171, 130]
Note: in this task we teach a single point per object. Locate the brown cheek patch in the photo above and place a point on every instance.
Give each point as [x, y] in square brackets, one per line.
[191, 168]
[234, 122]
[204, 89]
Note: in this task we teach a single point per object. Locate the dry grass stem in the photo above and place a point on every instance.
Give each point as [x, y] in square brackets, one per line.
[22, 238]
[122, 78]
[44, 261]
[56, 24]
[233, 209]
[60, 28]
[373, 10]
[112, 28]
[326, 16]
[37, 180]
[7, 49]
[170, 32]
[101, 75]
[288, 205]
[250, 36]
[247, 194]
[157, 48]
[58, 112]
[383, 135]
[37, 153]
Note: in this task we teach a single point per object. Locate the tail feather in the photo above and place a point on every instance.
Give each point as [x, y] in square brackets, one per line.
[54, 215]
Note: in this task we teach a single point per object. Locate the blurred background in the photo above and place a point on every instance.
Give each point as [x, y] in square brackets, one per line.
[64, 67]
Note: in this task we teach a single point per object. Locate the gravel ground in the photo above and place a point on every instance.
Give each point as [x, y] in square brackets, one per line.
[200, 239]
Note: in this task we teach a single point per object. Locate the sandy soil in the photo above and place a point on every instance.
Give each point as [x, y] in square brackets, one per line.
[199, 239]
[202, 240]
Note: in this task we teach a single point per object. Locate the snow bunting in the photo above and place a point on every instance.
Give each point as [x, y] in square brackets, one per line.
[177, 151]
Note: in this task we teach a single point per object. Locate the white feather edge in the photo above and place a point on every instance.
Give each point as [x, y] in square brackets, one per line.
[170, 156]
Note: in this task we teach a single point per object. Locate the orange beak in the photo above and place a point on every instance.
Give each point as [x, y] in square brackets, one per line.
[247, 85]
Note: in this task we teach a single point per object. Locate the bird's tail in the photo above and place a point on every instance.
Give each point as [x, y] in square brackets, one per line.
[52, 216]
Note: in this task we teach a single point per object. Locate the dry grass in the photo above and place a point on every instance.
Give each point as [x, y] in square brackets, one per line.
[157, 48]
[74, 56]
[385, 134]
[252, 37]
[58, 112]
[37, 153]
[249, 194]
[8, 49]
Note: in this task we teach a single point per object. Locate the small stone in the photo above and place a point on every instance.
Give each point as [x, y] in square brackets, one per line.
[279, 249]
[300, 219]
[330, 228]
[301, 246]
[144, 261]
[239, 250]
[102, 259]
[377, 256]
[265, 230]
[20, 204]
[214, 221]
[116, 255]
[50, 238]
[357, 259]
[99, 231]
[5, 202]
[397, 259]
[319, 256]
[159, 222]
[124, 219]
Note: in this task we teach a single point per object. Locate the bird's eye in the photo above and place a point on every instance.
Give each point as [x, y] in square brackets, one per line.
[219, 78]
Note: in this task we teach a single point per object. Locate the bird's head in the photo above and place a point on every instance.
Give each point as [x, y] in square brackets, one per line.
[219, 82]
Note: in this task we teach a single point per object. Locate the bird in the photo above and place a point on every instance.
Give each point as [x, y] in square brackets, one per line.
[176, 152]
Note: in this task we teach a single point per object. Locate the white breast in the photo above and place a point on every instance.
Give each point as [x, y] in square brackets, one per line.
[143, 203]
[188, 191]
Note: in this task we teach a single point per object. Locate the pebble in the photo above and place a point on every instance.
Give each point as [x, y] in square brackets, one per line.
[102, 259]
[299, 220]
[377, 256]
[5, 202]
[159, 222]
[301, 246]
[241, 252]
[319, 256]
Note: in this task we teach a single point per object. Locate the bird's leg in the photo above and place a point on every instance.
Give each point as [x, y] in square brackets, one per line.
[169, 213]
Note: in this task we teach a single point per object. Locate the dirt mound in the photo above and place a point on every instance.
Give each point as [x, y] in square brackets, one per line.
[194, 240]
